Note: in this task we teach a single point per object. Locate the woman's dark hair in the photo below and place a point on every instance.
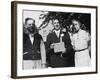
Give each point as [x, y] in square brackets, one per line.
[82, 26]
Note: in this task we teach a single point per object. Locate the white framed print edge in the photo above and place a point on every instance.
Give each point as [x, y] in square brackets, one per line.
[43, 14]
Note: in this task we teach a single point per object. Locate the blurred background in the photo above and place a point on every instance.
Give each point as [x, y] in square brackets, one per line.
[44, 23]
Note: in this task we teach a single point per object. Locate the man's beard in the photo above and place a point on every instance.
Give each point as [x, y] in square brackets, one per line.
[31, 29]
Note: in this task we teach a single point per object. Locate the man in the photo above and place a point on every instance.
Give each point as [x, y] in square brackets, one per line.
[63, 58]
[80, 41]
[33, 47]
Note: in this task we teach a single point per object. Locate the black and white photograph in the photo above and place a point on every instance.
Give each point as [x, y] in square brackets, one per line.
[64, 39]
[54, 39]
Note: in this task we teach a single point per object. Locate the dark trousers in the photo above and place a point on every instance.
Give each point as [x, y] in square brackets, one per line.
[58, 61]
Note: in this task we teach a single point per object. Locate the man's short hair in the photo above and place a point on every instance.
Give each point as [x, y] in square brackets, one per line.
[26, 19]
[54, 19]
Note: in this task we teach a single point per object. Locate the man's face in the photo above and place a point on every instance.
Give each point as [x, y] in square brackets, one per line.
[76, 25]
[30, 25]
[56, 24]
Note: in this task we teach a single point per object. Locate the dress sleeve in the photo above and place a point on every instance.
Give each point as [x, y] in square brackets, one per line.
[43, 52]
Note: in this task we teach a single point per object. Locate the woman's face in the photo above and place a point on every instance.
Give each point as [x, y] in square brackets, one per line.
[76, 24]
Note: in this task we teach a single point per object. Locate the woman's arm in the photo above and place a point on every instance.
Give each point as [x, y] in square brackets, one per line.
[43, 53]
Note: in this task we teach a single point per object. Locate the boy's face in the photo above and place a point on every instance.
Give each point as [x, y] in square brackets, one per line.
[56, 24]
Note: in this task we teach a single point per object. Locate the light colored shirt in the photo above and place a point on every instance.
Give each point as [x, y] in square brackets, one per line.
[80, 40]
[31, 38]
[57, 32]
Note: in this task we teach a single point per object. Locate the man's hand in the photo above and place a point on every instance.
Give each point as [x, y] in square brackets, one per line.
[52, 46]
[43, 65]
[64, 50]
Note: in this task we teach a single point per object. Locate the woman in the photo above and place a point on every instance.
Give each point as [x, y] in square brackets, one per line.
[80, 41]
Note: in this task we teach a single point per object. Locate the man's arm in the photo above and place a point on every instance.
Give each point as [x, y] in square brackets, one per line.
[69, 49]
[49, 46]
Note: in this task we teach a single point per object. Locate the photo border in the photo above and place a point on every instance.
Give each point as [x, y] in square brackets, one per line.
[14, 37]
